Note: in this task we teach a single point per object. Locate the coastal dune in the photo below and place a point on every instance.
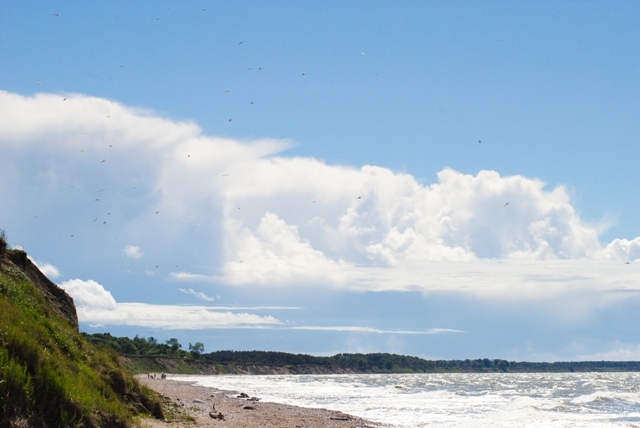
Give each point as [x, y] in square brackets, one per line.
[212, 407]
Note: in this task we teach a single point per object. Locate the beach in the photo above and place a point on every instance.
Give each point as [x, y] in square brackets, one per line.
[188, 404]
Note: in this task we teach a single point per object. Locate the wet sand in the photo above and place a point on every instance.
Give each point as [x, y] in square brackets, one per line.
[190, 405]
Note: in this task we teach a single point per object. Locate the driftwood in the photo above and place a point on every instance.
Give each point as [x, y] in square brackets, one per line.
[219, 416]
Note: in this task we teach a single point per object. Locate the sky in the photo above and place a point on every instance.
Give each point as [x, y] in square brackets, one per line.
[443, 179]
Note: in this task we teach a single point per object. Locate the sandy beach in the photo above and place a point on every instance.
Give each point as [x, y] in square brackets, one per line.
[188, 405]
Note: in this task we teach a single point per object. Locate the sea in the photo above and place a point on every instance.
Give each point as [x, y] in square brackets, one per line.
[455, 400]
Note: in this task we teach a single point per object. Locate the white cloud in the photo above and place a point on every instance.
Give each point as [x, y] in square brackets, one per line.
[48, 269]
[372, 229]
[361, 329]
[623, 249]
[173, 317]
[96, 306]
[252, 217]
[132, 252]
[89, 294]
[276, 254]
[198, 294]
[186, 276]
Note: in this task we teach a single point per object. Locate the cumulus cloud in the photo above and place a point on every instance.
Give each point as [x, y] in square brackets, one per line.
[90, 294]
[132, 252]
[251, 216]
[276, 254]
[390, 218]
[48, 269]
[623, 249]
[373, 229]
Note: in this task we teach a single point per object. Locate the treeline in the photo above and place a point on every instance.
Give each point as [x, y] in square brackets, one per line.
[139, 346]
[362, 363]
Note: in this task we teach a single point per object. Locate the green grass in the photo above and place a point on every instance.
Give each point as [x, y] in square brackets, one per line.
[50, 375]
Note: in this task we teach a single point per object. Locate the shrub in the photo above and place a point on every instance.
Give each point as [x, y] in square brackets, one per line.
[3, 241]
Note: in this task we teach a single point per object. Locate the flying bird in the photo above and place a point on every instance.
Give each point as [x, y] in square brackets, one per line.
[506, 204]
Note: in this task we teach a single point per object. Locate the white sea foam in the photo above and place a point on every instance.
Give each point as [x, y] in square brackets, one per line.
[591, 400]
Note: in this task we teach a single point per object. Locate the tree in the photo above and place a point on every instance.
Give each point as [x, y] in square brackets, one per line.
[174, 344]
[197, 348]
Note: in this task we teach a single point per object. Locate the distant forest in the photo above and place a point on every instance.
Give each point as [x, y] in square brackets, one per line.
[362, 363]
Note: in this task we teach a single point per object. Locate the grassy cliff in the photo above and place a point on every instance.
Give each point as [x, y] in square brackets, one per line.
[50, 375]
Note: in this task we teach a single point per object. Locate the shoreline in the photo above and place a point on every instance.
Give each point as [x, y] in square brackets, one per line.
[189, 404]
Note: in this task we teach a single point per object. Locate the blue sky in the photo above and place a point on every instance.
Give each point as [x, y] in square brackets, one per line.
[440, 179]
